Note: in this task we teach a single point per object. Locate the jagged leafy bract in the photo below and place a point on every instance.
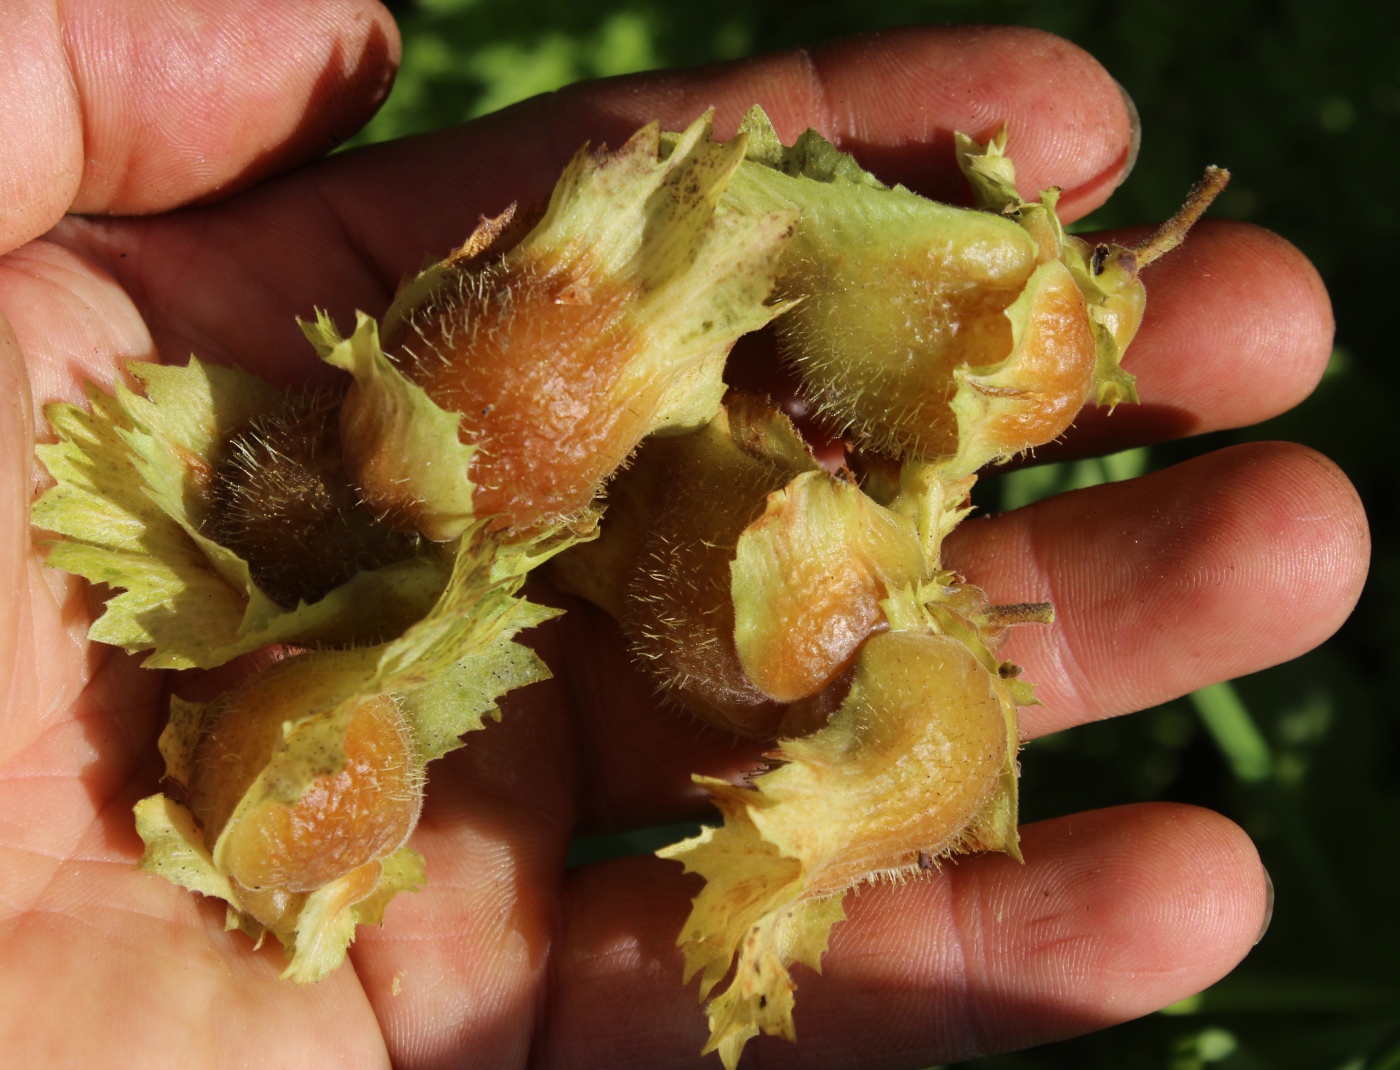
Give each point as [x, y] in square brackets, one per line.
[928, 329]
[849, 803]
[933, 501]
[417, 442]
[535, 373]
[130, 475]
[248, 759]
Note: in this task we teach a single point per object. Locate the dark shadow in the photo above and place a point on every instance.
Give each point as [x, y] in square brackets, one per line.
[1096, 432]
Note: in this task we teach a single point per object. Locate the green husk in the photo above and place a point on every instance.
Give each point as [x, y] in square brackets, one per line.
[129, 475]
[898, 298]
[445, 675]
[847, 804]
[630, 222]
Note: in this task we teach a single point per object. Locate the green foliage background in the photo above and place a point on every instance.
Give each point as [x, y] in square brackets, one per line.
[1302, 101]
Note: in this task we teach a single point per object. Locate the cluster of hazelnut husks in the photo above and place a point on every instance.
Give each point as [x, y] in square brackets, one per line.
[377, 538]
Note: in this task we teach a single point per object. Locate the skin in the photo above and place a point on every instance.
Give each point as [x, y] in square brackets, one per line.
[1222, 566]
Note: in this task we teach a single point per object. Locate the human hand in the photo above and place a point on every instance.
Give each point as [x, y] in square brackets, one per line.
[1209, 570]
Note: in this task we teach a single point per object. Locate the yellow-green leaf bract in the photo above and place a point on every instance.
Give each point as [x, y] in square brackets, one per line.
[734, 557]
[852, 802]
[404, 658]
[946, 337]
[130, 501]
[302, 783]
[943, 339]
[542, 368]
[926, 329]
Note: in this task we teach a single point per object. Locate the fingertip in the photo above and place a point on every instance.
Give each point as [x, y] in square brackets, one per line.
[1272, 552]
[72, 319]
[205, 99]
[1320, 515]
[1213, 897]
[1217, 567]
[1192, 892]
[1253, 313]
[1068, 123]
[1284, 531]
[1238, 329]
[1117, 913]
[139, 107]
[1291, 318]
[1114, 914]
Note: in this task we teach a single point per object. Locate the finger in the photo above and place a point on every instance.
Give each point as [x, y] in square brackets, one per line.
[228, 283]
[1238, 329]
[894, 99]
[1115, 913]
[1215, 568]
[138, 107]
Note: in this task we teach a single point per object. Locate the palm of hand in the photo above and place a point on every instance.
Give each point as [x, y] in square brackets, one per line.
[1165, 584]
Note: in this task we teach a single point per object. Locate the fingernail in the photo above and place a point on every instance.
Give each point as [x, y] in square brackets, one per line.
[1268, 906]
[1135, 128]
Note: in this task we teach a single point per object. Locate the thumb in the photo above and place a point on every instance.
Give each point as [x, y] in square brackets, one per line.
[148, 104]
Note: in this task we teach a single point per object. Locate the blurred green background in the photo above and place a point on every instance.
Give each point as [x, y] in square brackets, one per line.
[1302, 102]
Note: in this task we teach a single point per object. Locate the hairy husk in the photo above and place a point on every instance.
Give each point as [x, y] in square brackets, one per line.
[517, 383]
[846, 805]
[926, 329]
[303, 782]
[374, 542]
